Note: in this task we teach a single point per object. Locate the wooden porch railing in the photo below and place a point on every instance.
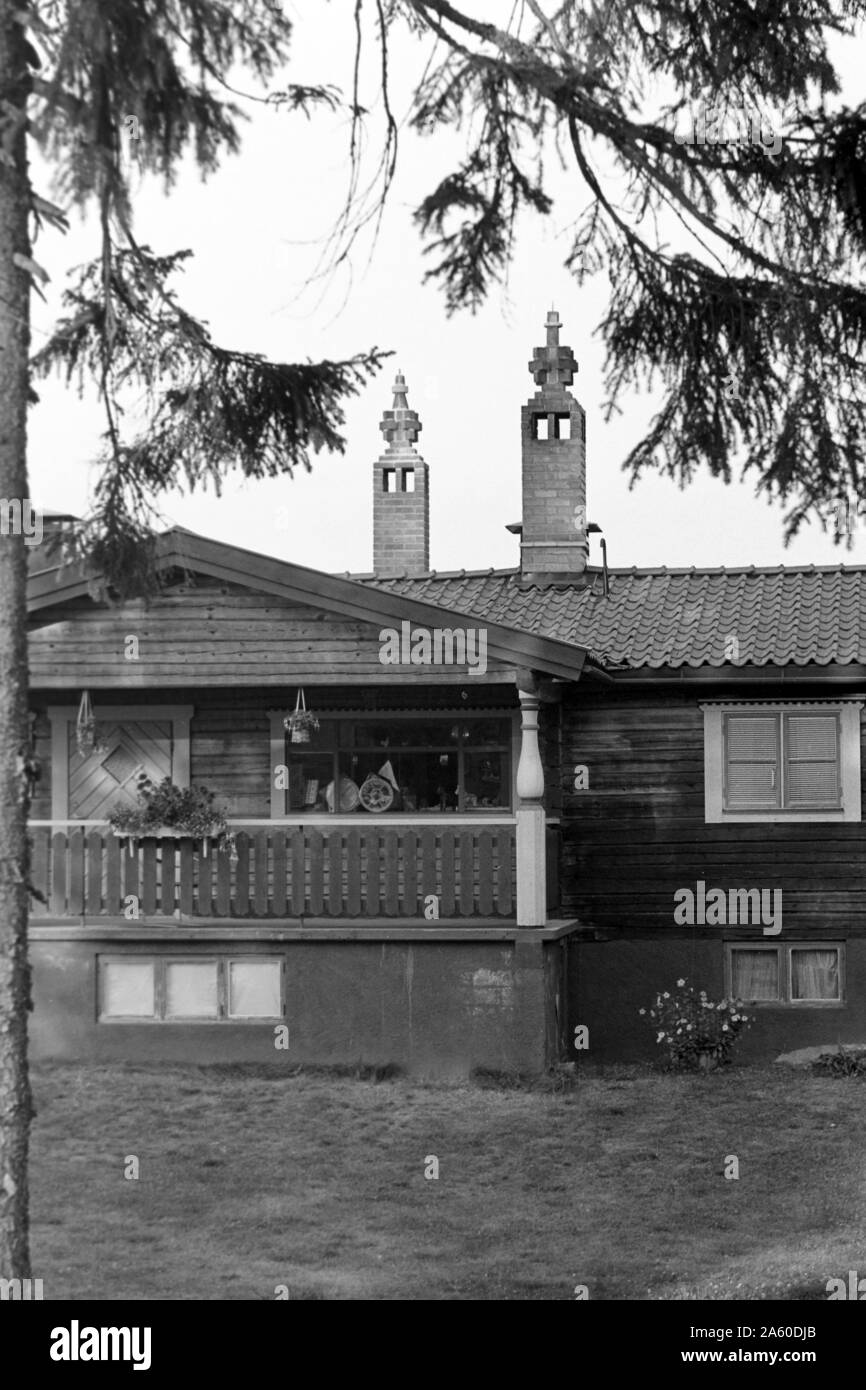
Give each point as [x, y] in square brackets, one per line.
[338, 872]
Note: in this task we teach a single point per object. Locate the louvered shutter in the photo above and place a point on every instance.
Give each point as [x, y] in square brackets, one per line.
[811, 760]
[751, 761]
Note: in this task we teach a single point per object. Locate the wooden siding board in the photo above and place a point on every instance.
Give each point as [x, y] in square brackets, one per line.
[638, 833]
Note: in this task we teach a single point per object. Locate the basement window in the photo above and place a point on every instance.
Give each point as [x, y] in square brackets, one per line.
[540, 427]
[562, 426]
[801, 974]
[408, 479]
[389, 480]
[207, 989]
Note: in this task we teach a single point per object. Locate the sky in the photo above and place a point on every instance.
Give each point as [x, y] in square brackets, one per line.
[256, 229]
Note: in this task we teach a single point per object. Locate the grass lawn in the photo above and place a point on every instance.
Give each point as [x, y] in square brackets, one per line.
[250, 1179]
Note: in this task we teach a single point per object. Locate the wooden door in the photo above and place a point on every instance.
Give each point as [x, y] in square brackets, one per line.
[106, 777]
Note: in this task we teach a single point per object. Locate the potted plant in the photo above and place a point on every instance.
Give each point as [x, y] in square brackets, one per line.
[697, 1033]
[164, 810]
[300, 723]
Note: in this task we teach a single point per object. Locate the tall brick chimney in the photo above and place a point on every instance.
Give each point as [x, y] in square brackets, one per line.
[554, 542]
[401, 498]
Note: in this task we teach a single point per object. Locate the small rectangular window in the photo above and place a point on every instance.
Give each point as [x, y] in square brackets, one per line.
[540, 427]
[214, 990]
[562, 425]
[389, 480]
[805, 973]
[815, 974]
[408, 479]
[755, 974]
[254, 989]
[191, 989]
[128, 989]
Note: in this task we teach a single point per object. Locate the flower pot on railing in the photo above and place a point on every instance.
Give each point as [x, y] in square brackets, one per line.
[165, 811]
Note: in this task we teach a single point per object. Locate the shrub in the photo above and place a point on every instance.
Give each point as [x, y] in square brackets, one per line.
[697, 1033]
[851, 1062]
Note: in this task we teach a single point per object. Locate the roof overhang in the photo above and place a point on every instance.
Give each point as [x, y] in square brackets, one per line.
[180, 549]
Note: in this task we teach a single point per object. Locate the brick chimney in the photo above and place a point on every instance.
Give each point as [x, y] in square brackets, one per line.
[401, 499]
[554, 542]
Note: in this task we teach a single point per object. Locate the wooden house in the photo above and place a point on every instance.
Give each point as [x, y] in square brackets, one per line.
[534, 797]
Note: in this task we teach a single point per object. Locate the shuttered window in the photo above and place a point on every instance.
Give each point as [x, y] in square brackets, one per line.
[782, 761]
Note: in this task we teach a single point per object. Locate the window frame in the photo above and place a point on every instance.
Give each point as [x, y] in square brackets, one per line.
[784, 970]
[509, 749]
[847, 712]
[160, 965]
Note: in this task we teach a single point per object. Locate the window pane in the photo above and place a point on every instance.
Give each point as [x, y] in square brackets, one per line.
[811, 737]
[309, 775]
[812, 760]
[413, 781]
[812, 784]
[387, 734]
[486, 782]
[752, 774]
[128, 989]
[814, 974]
[191, 989]
[752, 738]
[755, 974]
[254, 989]
[484, 731]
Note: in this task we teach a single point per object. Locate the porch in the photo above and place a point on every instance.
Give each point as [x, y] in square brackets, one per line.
[414, 870]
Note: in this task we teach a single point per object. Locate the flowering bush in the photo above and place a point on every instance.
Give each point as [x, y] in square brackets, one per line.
[695, 1031]
[189, 810]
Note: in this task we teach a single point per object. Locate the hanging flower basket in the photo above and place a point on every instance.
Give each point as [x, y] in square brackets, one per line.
[300, 724]
[86, 739]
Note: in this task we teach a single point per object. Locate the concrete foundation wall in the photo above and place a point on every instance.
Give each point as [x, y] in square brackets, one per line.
[610, 981]
[434, 1006]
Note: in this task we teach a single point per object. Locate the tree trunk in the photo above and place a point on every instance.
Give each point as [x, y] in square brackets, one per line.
[15, 1105]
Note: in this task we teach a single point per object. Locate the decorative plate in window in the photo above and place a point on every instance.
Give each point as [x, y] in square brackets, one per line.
[376, 794]
[348, 795]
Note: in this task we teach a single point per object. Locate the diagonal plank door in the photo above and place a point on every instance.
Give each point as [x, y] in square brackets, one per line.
[106, 778]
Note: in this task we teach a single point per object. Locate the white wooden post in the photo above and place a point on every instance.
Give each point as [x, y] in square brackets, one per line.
[531, 844]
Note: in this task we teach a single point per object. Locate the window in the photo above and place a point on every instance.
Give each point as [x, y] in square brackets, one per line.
[801, 973]
[389, 480]
[128, 989]
[540, 427]
[562, 426]
[171, 989]
[393, 763]
[799, 761]
[407, 476]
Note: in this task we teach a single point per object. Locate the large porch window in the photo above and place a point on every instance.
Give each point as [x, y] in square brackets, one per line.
[391, 763]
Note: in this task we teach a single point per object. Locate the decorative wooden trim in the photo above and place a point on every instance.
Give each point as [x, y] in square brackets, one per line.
[531, 831]
[60, 717]
[849, 743]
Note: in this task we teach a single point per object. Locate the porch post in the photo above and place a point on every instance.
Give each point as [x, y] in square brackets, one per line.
[531, 846]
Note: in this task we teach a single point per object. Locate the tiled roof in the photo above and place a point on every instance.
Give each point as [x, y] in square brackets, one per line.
[671, 617]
